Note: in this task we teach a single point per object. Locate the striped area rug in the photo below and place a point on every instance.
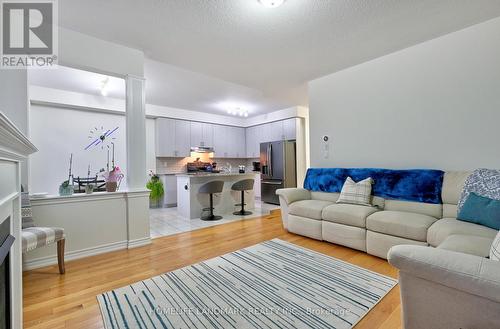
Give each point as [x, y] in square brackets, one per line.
[274, 284]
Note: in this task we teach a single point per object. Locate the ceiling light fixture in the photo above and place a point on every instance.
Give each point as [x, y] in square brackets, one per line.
[105, 86]
[271, 3]
[238, 111]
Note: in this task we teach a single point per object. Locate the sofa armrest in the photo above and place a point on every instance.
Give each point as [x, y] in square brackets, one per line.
[294, 194]
[468, 273]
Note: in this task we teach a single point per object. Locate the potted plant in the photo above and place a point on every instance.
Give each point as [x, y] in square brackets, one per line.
[155, 185]
[113, 179]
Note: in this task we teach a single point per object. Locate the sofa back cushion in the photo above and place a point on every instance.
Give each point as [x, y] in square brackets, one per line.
[325, 196]
[453, 184]
[333, 197]
[418, 185]
[495, 248]
[429, 209]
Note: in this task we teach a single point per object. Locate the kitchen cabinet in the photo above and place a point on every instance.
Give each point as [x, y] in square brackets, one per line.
[165, 137]
[276, 131]
[220, 141]
[253, 139]
[172, 138]
[229, 142]
[290, 129]
[202, 134]
[240, 146]
[182, 138]
[170, 188]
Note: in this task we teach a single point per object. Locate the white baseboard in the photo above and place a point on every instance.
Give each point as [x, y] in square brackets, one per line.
[139, 242]
[51, 260]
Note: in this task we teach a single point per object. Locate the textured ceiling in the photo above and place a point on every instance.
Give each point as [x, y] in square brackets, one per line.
[272, 51]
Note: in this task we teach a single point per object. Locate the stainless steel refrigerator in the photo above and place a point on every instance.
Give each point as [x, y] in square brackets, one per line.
[277, 168]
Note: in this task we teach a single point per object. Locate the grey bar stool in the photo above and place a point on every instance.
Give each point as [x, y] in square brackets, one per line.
[211, 188]
[242, 185]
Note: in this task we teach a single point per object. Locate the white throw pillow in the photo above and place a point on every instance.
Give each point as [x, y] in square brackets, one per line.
[495, 248]
[356, 193]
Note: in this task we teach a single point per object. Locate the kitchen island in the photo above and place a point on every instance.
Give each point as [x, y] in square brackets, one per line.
[190, 203]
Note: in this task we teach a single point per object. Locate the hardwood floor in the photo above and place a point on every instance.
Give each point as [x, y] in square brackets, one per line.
[69, 301]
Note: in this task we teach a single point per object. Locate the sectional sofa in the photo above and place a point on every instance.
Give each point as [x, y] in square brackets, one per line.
[389, 223]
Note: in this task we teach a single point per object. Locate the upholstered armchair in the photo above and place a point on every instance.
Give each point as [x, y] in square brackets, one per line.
[34, 237]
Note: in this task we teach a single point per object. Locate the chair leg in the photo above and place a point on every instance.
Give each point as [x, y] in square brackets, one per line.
[60, 255]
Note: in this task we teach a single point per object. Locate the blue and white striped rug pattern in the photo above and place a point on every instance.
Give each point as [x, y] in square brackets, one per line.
[274, 284]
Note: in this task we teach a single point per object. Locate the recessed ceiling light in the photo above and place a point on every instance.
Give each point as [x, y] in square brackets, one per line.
[271, 3]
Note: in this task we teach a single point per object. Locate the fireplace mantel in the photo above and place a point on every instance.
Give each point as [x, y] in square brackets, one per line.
[14, 148]
[14, 144]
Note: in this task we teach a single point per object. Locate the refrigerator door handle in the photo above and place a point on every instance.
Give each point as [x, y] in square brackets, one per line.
[272, 183]
[270, 159]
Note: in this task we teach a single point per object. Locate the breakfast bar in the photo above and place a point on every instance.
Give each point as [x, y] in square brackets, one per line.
[190, 202]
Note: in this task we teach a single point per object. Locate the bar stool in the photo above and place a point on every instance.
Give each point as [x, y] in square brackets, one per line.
[211, 188]
[243, 185]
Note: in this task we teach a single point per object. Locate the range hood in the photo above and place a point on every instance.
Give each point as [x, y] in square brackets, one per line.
[202, 149]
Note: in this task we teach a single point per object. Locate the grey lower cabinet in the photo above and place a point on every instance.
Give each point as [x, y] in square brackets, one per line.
[170, 188]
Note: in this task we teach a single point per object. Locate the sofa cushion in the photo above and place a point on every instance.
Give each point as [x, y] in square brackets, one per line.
[495, 248]
[402, 224]
[481, 210]
[453, 184]
[356, 192]
[467, 244]
[308, 208]
[445, 227]
[348, 214]
[429, 209]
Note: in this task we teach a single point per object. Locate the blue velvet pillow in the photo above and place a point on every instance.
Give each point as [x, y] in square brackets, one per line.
[481, 210]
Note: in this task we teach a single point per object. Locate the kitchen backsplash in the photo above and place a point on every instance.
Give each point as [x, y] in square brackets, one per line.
[178, 165]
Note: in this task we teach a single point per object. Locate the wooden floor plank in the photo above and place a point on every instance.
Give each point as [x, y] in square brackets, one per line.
[69, 301]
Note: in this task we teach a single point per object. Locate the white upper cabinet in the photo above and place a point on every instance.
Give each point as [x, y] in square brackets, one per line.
[182, 138]
[220, 141]
[240, 143]
[207, 130]
[174, 138]
[196, 134]
[253, 140]
[165, 137]
[277, 131]
[202, 134]
[290, 129]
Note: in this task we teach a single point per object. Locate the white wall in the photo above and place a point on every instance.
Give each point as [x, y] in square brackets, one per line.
[436, 104]
[57, 132]
[14, 104]
[14, 97]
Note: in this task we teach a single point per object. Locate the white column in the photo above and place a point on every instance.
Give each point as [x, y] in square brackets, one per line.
[137, 197]
[136, 133]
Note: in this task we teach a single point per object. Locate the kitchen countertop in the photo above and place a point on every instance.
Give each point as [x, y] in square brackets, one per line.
[215, 174]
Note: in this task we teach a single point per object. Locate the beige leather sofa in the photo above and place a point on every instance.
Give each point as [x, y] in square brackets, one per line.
[446, 289]
[376, 229]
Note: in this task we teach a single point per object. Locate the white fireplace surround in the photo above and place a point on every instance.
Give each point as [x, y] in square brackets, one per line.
[14, 148]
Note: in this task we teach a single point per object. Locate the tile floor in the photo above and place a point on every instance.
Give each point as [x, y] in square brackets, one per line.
[167, 221]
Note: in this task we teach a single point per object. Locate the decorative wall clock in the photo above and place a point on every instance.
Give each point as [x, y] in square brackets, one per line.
[101, 137]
